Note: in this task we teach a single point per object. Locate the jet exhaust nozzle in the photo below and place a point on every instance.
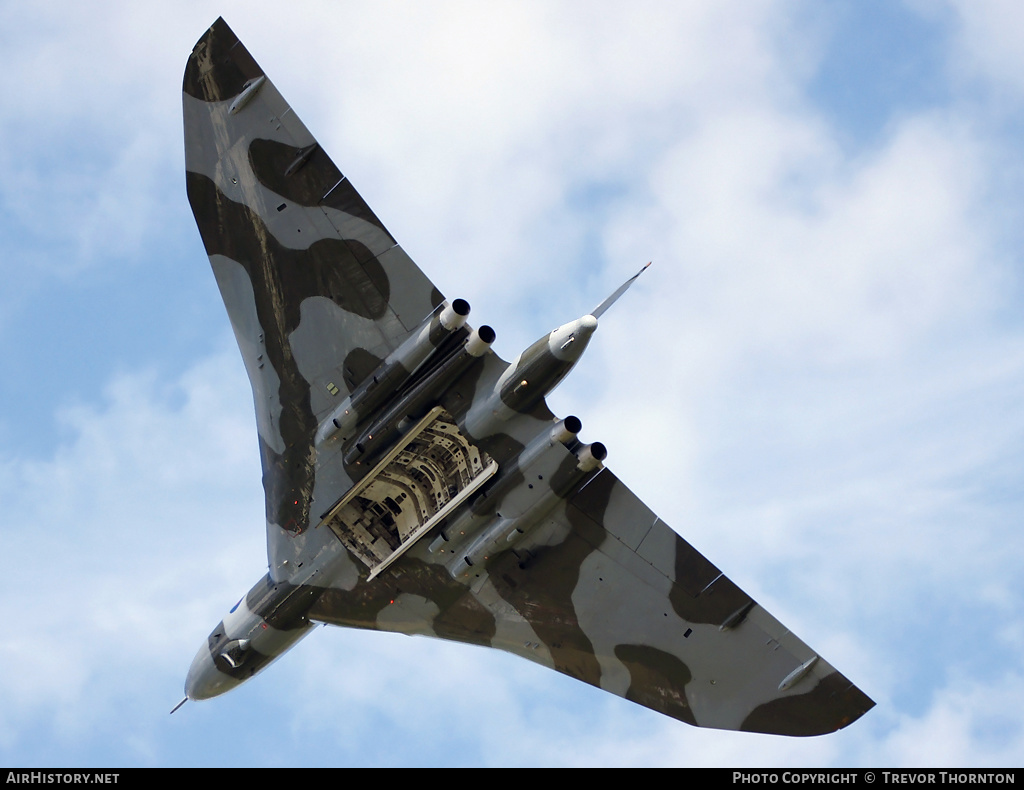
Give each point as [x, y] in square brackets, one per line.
[418, 351]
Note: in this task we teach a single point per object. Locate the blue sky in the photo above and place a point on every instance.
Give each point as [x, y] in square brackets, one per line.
[817, 383]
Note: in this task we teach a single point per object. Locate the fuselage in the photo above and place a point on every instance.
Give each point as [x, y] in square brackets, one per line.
[274, 615]
[262, 626]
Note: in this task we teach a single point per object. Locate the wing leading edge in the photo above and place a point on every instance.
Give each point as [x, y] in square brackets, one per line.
[608, 594]
[594, 585]
[668, 630]
[317, 290]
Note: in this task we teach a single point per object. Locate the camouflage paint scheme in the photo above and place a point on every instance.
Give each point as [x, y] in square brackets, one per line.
[551, 558]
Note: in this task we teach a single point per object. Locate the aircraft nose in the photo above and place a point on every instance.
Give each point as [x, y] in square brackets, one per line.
[204, 680]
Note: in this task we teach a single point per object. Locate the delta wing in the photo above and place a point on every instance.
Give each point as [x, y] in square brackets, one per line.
[415, 482]
[317, 290]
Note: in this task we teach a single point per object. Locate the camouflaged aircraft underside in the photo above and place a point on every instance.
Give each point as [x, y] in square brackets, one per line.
[416, 482]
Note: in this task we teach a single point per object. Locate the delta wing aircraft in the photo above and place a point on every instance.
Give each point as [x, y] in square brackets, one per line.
[417, 483]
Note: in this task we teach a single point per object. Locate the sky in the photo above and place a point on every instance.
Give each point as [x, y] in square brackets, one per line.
[818, 383]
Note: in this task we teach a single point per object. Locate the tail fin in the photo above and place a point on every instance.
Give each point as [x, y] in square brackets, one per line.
[598, 311]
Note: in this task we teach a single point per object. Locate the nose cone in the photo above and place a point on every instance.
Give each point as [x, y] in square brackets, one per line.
[204, 680]
[568, 342]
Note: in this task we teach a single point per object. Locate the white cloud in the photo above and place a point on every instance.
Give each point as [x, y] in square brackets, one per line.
[816, 383]
[118, 541]
[990, 43]
[971, 722]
